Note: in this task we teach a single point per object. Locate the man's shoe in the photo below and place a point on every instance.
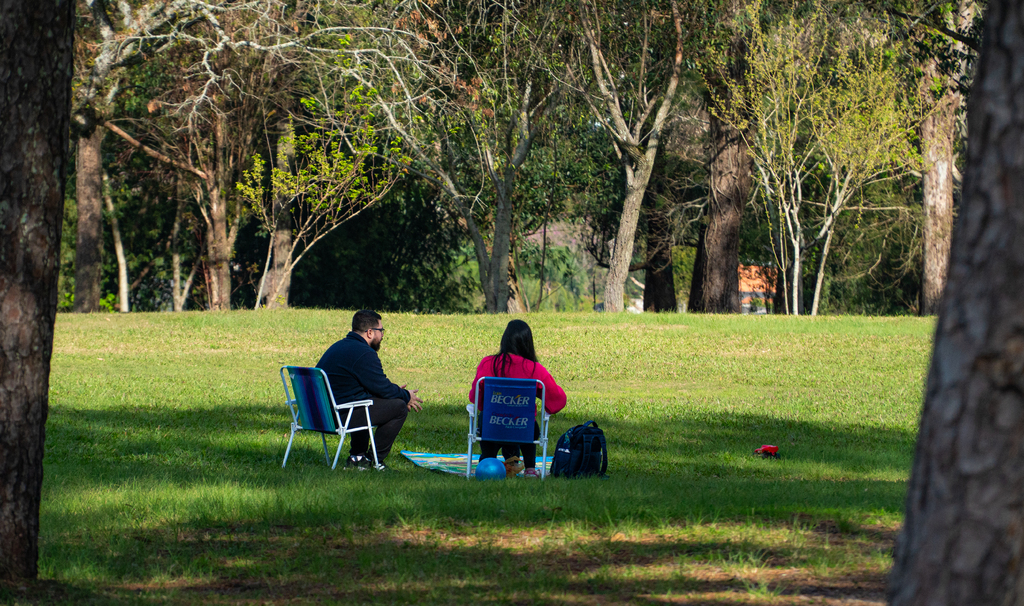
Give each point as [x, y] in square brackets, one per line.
[358, 462]
[531, 473]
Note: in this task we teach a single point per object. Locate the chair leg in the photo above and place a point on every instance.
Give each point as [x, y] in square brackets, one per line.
[287, 450]
[341, 443]
[327, 456]
[544, 458]
[369, 428]
[469, 450]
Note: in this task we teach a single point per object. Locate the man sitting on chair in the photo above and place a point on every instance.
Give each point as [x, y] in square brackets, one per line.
[355, 373]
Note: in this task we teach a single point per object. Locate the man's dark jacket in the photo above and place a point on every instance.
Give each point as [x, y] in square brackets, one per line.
[355, 372]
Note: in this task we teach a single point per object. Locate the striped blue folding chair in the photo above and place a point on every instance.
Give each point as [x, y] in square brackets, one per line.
[505, 410]
[313, 408]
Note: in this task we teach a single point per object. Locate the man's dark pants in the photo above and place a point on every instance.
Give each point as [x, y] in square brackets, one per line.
[388, 416]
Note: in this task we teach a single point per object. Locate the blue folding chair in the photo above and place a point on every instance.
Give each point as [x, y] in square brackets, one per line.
[508, 414]
[313, 409]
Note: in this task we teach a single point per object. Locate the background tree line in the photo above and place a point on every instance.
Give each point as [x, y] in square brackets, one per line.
[514, 155]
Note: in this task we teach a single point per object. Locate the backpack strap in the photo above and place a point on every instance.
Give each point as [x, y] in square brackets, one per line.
[604, 454]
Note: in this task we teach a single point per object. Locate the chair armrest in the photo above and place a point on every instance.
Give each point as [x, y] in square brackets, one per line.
[354, 404]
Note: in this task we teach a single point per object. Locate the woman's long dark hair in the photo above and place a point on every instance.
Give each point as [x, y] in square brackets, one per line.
[518, 340]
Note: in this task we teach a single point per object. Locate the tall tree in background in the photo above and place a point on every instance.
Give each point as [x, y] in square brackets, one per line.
[35, 101]
[468, 102]
[332, 181]
[631, 98]
[110, 38]
[943, 72]
[823, 108]
[716, 287]
[964, 528]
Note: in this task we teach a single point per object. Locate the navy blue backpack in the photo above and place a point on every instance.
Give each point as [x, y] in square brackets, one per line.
[581, 452]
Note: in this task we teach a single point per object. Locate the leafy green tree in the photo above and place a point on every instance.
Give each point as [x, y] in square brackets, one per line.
[332, 180]
[626, 63]
[468, 102]
[419, 261]
[825, 112]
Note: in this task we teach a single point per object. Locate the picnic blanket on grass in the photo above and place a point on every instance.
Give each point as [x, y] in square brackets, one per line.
[450, 463]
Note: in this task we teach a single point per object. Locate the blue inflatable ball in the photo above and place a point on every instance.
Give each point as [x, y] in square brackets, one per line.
[490, 469]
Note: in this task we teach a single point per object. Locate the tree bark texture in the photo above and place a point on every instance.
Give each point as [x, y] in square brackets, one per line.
[622, 253]
[220, 230]
[963, 538]
[937, 133]
[730, 181]
[35, 103]
[659, 284]
[280, 279]
[501, 251]
[89, 247]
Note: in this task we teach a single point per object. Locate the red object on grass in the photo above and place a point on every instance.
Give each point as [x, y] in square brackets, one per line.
[767, 450]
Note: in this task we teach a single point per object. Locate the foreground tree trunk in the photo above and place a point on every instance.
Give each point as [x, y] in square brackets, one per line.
[89, 247]
[963, 537]
[730, 180]
[35, 103]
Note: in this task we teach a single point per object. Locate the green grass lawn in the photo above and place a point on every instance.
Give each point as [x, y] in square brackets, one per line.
[163, 479]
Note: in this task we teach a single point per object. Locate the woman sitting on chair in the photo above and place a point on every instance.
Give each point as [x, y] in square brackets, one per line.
[516, 359]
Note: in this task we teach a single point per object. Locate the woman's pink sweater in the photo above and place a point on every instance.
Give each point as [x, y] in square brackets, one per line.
[521, 368]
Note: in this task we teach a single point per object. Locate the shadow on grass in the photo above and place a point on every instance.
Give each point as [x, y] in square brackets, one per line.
[185, 506]
[447, 566]
[239, 441]
[132, 468]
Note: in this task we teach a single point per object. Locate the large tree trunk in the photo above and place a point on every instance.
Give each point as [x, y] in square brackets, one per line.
[937, 132]
[280, 279]
[35, 103]
[219, 234]
[516, 303]
[218, 251]
[501, 252]
[89, 246]
[622, 253]
[729, 176]
[963, 535]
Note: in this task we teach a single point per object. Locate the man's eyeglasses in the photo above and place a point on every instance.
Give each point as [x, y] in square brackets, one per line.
[380, 330]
